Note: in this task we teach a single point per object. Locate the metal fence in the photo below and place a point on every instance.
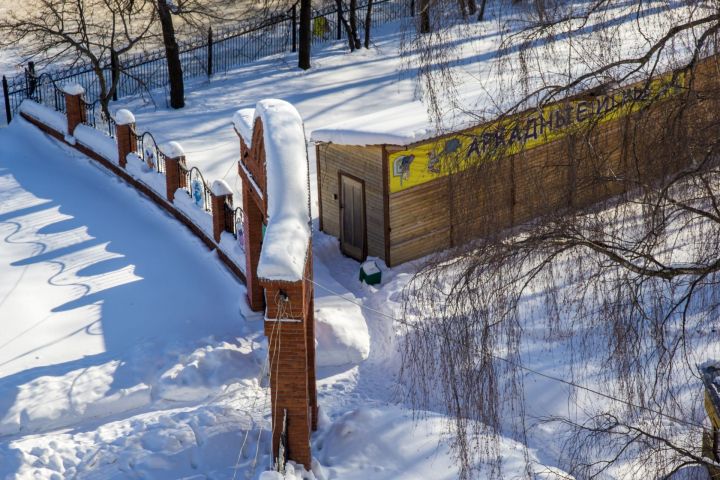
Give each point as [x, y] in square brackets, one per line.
[219, 51]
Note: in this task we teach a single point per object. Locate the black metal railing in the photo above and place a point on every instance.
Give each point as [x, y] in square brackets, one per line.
[150, 153]
[236, 217]
[44, 90]
[221, 50]
[197, 188]
[96, 118]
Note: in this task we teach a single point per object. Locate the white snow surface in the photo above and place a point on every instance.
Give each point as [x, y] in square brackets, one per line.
[97, 141]
[287, 237]
[341, 333]
[54, 119]
[124, 117]
[125, 353]
[400, 125]
[244, 122]
[51, 346]
[172, 149]
[220, 187]
[73, 89]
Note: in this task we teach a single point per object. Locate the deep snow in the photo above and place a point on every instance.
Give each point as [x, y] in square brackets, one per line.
[128, 349]
[174, 411]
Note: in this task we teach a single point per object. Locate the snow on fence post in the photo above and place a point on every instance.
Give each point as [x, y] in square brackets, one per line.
[220, 193]
[174, 159]
[76, 113]
[278, 247]
[125, 135]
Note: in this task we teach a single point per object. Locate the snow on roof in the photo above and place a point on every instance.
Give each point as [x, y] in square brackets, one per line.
[244, 121]
[401, 125]
[124, 117]
[287, 236]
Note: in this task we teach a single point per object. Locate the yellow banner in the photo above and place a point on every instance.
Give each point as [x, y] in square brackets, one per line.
[438, 157]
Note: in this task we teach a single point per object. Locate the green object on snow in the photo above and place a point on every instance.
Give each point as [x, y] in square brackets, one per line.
[370, 273]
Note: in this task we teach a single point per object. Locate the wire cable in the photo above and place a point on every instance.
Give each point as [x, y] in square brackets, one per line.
[520, 366]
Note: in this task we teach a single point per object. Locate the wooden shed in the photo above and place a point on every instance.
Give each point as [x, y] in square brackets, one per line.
[394, 187]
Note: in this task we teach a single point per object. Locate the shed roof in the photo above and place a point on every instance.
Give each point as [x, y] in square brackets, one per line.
[402, 125]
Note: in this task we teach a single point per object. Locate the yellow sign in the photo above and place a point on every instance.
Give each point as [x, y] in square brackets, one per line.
[439, 157]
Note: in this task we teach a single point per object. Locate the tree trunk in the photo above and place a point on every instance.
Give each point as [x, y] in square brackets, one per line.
[172, 54]
[472, 8]
[348, 28]
[353, 24]
[424, 16]
[463, 8]
[368, 23]
[481, 15]
[305, 34]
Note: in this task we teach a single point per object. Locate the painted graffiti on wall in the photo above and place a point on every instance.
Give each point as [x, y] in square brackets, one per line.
[439, 157]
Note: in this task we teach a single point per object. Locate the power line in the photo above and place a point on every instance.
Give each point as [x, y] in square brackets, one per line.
[520, 366]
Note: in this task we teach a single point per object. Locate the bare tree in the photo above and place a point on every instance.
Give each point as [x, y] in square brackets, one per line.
[631, 283]
[79, 31]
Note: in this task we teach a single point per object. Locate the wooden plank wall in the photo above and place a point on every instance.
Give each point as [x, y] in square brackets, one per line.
[419, 221]
[573, 172]
[366, 164]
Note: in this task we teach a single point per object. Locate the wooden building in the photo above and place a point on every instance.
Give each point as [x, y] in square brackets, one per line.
[394, 187]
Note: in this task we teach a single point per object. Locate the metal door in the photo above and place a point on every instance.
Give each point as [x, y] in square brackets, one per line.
[352, 217]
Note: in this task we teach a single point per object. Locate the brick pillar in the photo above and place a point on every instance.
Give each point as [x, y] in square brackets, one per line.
[220, 193]
[174, 159]
[75, 110]
[172, 175]
[252, 228]
[286, 329]
[309, 314]
[125, 135]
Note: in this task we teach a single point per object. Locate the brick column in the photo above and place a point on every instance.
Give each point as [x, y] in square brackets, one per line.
[74, 108]
[286, 327]
[125, 135]
[174, 159]
[220, 193]
[309, 314]
[252, 228]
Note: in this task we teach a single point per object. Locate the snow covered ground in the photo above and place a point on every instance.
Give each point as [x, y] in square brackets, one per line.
[128, 351]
